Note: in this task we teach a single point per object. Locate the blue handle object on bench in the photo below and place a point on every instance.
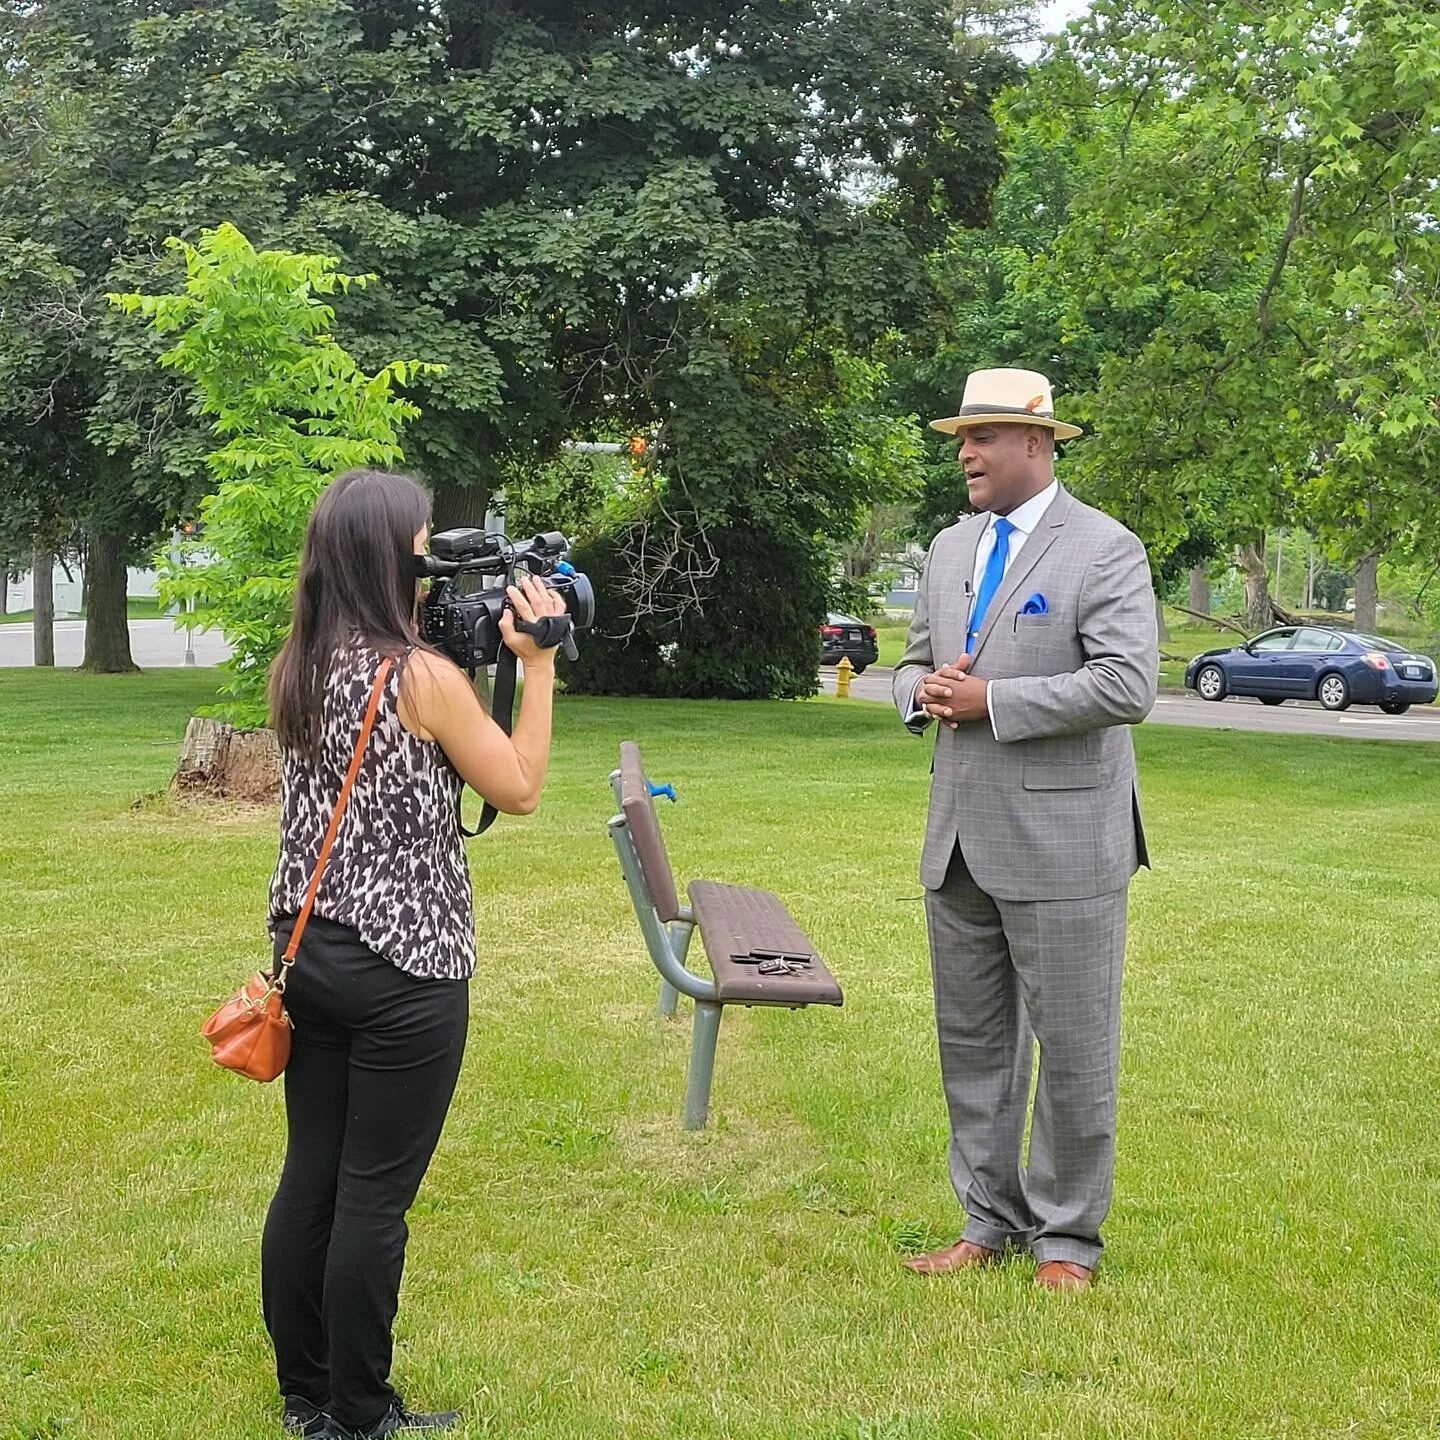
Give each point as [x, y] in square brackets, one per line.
[666, 790]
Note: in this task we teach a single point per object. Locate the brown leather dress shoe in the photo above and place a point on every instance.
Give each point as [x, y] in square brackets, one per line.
[963, 1255]
[1063, 1275]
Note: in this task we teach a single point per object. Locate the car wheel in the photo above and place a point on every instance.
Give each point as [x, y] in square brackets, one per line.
[862, 667]
[1271, 700]
[1333, 691]
[1394, 707]
[1210, 683]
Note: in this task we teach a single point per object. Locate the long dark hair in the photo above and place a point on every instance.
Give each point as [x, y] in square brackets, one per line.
[357, 578]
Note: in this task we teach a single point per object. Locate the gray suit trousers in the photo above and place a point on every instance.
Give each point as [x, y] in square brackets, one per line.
[1007, 974]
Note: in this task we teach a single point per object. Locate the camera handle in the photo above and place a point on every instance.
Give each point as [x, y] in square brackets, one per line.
[548, 632]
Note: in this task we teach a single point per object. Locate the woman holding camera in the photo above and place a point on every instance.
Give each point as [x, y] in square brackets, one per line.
[378, 993]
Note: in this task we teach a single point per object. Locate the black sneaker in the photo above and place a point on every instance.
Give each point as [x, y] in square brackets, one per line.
[300, 1417]
[397, 1421]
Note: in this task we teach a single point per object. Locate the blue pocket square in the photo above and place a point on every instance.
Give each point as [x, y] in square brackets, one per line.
[1037, 604]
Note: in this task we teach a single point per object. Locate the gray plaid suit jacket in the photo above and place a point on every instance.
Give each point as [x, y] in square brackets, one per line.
[1050, 810]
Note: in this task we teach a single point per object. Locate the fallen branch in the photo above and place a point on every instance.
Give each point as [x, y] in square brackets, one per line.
[1210, 619]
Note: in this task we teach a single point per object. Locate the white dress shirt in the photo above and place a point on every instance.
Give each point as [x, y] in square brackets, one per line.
[1024, 518]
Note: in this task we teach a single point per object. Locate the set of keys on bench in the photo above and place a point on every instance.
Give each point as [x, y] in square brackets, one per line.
[774, 962]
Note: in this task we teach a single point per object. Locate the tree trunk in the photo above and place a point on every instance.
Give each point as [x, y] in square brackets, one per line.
[456, 505]
[1367, 592]
[1162, 630]
[863, 558]
[1251, 559]
[42, 588]
[218, 761]
[4, 584]
[107, 626]
[1200, 595]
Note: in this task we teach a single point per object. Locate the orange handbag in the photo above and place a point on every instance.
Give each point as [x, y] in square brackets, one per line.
[250, 1032]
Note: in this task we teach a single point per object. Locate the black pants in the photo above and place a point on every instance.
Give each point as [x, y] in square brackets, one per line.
[373, 1064]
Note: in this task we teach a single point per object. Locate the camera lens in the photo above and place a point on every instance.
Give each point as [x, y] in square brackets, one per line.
[580, 601]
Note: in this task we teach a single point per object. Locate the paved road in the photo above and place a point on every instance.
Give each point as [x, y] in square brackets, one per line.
[153, 643]
[1359, 723]
[159, 644]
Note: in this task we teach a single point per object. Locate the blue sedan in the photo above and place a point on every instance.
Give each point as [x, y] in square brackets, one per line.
[1307, 662]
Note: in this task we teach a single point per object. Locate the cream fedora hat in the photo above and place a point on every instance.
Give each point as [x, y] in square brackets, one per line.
[1020, 397]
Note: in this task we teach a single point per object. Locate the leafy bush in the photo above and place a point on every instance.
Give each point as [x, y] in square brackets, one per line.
[750, 633]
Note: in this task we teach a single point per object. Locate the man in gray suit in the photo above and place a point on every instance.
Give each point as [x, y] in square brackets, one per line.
[1034, 646]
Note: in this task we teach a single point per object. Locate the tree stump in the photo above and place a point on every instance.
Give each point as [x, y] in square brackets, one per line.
[221, 762]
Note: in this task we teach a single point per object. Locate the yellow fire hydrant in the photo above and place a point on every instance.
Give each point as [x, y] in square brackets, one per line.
[843, 671]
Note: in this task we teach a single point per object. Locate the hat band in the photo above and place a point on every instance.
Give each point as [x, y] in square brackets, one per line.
[1005, 410]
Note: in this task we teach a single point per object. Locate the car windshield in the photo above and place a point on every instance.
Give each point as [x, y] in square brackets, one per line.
[833, 619]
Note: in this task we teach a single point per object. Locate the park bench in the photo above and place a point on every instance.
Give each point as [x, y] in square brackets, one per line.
[758, 954]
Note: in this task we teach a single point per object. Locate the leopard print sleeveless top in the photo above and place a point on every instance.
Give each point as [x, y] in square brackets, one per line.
[397, 874]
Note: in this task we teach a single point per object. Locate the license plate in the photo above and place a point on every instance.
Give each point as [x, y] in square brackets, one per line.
[1412, 672]
[853, 635]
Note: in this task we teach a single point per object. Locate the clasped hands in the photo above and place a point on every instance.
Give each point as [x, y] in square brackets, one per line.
[952, 696]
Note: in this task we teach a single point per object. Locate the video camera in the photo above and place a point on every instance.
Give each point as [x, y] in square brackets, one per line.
[471, 568]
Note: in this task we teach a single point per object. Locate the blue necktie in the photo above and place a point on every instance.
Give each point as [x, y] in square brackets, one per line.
[989, 581]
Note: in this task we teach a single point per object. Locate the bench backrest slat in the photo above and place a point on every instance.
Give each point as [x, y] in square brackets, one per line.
[644, 825]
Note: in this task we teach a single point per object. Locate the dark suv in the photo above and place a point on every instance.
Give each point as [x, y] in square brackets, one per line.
[842, 635]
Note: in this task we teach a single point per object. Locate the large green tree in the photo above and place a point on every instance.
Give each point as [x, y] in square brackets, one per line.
[594, 219]
[1217, 234]
[43, 450]
[689, 221]
[94, 173]
[1250, 236]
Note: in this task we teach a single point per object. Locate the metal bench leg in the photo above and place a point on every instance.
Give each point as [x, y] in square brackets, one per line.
[669, 998]
[702, 1064]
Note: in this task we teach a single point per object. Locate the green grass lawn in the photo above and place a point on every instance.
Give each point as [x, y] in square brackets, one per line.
[890, 635]
[581, 1268]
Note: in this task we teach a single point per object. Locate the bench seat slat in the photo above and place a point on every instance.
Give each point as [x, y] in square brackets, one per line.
[734, 920]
